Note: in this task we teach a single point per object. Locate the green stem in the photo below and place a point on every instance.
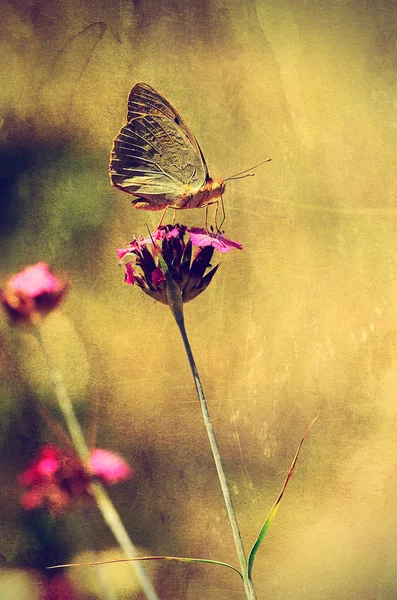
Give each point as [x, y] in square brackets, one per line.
[249, 589]
[176, 306]
[104, 503]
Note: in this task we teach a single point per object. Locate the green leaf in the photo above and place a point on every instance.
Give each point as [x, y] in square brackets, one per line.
[163, 265]
[176, 558]
[274, 509]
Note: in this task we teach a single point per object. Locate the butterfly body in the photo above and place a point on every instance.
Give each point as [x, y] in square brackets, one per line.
[157, 159]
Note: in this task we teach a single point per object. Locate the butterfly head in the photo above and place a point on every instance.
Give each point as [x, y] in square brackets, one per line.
[211, 190]
[216, 187]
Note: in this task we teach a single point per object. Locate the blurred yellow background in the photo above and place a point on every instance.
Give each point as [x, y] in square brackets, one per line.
[303, 320]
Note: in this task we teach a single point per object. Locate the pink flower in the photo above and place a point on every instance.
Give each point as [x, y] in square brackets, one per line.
[121, 252]
[47, 495]
[142, 265]
[33, 293]
[34, 280]
[201, 237]
[56, 479]
[109, 466]
[43, 467]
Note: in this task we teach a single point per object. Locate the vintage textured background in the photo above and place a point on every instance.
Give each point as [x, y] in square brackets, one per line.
[303, 320]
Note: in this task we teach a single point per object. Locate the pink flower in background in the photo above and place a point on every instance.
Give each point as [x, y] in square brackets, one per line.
[34, 280]
[32, 293]
[110, 467]
[201, 237]
[61, 587]
[56, 479]
[43, 467]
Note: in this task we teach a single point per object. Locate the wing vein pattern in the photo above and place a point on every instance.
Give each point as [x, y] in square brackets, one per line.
[155, 156]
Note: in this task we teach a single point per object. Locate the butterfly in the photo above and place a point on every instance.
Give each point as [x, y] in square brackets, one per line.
[157, 159]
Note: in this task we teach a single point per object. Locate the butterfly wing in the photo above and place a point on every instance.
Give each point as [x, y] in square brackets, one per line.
[155, 156]
[144, 98]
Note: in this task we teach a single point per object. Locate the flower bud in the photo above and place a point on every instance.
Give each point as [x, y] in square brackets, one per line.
[31, 294]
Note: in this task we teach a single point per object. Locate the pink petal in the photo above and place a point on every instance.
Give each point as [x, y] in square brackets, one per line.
[47, 467]
[200, 237]
[136, 244]
[129, 275]
[109, 466]
[121, 252]
[41, 468]
[28, 477]
[32, 499]
[34, 280]
[175, 232]
[61, 588]
[162, 233]
[157, 234]
[223, 245]
[158, 276]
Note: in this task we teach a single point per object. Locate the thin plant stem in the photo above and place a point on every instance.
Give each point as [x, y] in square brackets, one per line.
[248, 586]
[174, 298]
[103, 501]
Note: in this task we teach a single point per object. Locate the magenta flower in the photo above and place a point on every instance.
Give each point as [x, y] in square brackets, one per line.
[56, 479]
[33, 293]
[142, 265]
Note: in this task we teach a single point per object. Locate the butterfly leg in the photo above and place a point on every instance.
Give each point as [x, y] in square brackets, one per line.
[206, 218]
[223, 214]
[174, 209]
[162, 217]
[216, 215]
[216, 202]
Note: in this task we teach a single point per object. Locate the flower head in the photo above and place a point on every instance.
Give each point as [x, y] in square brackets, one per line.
[55, 479]
[143, 260]
[32, 293]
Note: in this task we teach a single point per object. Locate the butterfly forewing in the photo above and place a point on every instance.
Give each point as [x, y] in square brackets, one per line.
[155, 156]
[145, 99]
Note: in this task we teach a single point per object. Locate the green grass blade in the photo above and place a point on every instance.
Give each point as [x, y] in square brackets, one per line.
[176, 558]
[274, 509]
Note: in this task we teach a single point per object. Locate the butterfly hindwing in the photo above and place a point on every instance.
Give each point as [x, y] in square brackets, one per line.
[155, 156]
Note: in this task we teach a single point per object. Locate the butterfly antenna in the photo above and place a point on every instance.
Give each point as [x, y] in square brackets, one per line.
[245, 173]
